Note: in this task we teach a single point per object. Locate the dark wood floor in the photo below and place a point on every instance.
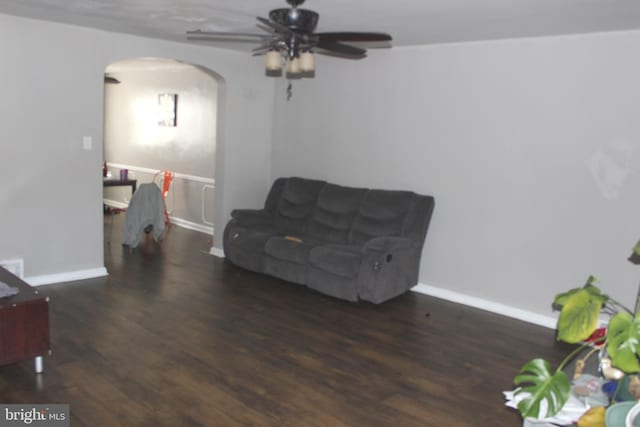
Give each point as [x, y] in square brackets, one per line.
[176, 337]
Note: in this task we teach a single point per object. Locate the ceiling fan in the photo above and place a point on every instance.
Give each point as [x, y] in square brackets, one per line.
[290, 39]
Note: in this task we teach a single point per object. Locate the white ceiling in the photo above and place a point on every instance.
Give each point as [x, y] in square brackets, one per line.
[410, 22]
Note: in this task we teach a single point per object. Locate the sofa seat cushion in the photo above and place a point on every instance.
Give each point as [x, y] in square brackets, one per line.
[289, 249]
[341, 260]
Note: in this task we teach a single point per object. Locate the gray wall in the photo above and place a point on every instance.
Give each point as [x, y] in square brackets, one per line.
[131, 131]
[529, 147]
[51, 195]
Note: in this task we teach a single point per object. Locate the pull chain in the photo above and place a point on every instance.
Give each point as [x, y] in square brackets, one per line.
[289, 91]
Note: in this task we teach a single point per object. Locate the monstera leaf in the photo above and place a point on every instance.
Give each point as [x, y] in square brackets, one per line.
[542, 393]
[535, 378]
[623, 342]
[580, 310]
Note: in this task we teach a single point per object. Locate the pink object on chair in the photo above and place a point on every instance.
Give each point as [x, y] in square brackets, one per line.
[165, 177]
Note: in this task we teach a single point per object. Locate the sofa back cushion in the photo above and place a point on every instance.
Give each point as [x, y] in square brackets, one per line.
[381, 213]
[334, 213]
[296, 205]
[274, 196]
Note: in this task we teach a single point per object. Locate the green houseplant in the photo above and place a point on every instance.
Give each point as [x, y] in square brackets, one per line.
[580, 311]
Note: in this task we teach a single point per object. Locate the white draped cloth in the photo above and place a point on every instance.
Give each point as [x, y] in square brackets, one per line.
[145, 208]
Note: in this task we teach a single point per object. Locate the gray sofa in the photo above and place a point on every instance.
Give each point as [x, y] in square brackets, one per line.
[350, 243]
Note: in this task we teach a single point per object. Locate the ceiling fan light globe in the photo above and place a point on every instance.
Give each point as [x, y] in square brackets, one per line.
[273, 61]
[293, 66]
[307, 62]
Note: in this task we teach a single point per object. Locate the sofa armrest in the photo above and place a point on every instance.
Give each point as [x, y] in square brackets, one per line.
[390, 267]
[388, 244]
[252, 217]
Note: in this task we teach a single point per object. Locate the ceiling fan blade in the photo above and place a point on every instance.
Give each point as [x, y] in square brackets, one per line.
[341, 49]
[354, 36]
[263, 46]
[261, 50]
[266, 29]
[216, 35]
[279, 28]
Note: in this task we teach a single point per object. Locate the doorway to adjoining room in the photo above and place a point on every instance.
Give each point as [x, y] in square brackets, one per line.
[161, 115]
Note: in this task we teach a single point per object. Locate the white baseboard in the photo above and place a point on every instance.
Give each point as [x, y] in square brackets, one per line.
[494, 307]
[69, 276]
[192, 225]
[216, 252]
[174, 220]
[114, 203]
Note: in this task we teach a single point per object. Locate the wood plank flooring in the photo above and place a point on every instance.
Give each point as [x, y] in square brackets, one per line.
[176, 337]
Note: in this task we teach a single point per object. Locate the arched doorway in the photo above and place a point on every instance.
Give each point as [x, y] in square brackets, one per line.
[139, 137]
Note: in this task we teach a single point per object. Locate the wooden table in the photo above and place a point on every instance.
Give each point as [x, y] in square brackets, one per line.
[24, 323]
[120, 183]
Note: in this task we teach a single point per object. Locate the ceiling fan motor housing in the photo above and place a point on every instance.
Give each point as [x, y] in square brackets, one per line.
[295, 3]
[295, 19]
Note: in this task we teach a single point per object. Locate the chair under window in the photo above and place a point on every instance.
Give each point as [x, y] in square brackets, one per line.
[163, 180]
[145, 215]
